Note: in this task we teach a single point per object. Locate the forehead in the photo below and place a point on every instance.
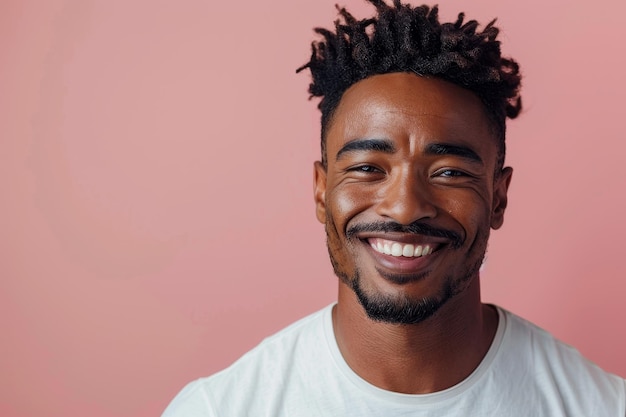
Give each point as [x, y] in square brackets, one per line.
[405, 105]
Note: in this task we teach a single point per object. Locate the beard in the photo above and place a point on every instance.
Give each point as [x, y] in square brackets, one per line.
[400, 308]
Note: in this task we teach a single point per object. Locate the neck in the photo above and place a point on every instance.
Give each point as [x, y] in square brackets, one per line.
[420, 358]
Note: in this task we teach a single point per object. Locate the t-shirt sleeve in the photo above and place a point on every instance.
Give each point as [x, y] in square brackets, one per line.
[190, 402]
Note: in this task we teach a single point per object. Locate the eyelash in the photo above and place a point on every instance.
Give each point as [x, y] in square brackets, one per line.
[366, 169]
[443, 173]
[454, 173]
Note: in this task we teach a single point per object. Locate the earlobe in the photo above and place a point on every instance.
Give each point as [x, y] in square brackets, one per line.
[319, 191]
[500, 198]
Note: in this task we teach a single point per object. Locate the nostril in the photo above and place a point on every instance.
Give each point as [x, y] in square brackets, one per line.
[407, 211]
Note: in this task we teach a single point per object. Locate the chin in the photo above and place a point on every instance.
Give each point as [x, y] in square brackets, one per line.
[403, 308]
[399, 308]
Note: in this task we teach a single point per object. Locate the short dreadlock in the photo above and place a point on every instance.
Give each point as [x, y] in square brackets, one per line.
[402, 38]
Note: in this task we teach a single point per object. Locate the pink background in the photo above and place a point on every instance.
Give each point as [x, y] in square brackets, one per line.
[156, 207]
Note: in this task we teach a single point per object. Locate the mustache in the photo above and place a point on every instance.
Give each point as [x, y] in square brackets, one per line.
[415, 228]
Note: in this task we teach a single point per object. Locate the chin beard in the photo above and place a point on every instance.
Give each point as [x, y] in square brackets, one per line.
[401, 309]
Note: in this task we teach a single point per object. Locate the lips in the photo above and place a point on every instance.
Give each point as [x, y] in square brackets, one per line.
[400, 249]
[401, 257]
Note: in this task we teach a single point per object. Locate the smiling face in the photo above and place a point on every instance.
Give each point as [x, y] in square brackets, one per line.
[409, 193]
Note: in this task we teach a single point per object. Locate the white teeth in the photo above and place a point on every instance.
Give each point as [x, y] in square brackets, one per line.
[407, 250]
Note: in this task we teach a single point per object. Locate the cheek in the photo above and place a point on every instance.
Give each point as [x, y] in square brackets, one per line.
[346, 203]
[337, 248]
[342, 206]
[471, 210]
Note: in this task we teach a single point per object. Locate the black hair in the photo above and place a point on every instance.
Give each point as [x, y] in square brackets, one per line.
[402, 38]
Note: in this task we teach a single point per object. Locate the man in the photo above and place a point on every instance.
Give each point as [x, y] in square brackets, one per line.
[410, 182]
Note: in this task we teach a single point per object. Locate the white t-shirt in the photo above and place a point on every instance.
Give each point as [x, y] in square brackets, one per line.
[300, 372]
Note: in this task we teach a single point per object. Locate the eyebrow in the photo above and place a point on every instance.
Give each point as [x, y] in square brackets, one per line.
[457, 150]
[376, 145]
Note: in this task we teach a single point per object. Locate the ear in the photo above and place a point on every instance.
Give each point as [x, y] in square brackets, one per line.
[319, 191]
[500, 199]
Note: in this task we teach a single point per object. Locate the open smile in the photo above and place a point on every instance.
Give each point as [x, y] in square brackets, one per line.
[403, 254]
[397, 249]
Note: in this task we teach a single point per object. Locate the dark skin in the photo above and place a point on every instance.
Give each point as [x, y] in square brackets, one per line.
[406, 149]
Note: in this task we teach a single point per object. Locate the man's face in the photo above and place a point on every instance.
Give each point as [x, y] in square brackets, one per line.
[409, 195]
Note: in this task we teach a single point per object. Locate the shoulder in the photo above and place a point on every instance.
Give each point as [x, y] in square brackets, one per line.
[191, 401]
[257, 374]
[279, 350]
[554, 368]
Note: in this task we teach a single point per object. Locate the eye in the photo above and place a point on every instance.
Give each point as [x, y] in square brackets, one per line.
[450, 173]
[366, 169]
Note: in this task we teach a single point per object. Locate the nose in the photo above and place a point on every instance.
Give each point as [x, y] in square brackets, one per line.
[406, 198]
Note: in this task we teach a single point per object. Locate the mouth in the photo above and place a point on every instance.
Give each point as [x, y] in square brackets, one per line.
[403, 258]
[401, 249]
